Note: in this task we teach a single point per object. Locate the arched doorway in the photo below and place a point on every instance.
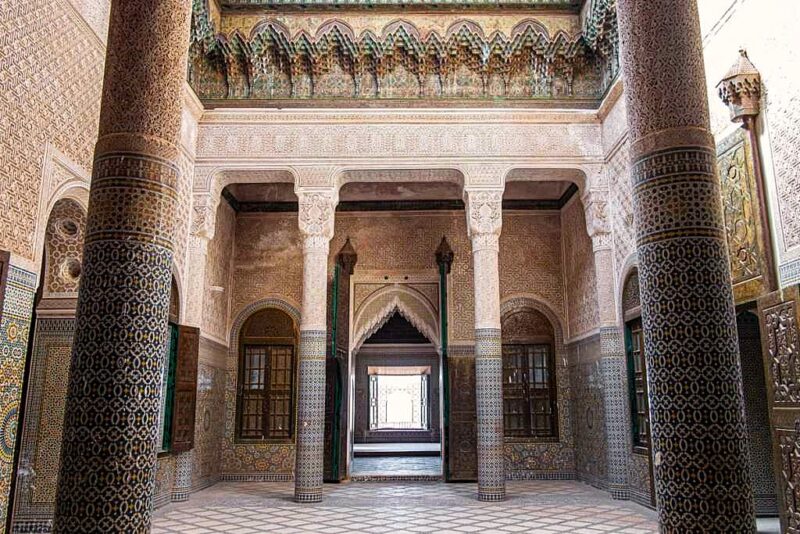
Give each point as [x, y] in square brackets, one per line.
[397, 428]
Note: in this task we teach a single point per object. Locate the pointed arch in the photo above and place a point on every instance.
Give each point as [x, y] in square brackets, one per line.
[381, 305]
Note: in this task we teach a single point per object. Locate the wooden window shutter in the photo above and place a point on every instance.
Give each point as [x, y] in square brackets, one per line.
[5, 258]
[183, 408]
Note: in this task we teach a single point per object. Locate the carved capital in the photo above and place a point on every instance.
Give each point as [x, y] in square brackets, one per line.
[484, 217]
[316, 217]
[484, 176]
[598, 224]
[204, 215]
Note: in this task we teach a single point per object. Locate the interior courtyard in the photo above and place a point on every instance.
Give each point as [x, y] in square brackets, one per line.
[375, 266]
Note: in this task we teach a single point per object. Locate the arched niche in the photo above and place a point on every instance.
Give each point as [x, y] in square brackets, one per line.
[63, 249]
[266, 378]
[630, 300]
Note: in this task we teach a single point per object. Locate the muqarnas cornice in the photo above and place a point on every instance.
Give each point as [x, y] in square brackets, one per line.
[268, 65]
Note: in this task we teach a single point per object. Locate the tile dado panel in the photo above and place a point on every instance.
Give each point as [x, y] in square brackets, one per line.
[588, 412]
[41, 445]
[14, 333]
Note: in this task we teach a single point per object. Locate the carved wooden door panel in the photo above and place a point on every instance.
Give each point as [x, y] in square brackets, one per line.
[778, 313]
[185, 400]
[462, 457]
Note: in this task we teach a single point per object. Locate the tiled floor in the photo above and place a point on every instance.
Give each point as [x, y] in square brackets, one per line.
[396, 466]
[389, 448]
[417, 507]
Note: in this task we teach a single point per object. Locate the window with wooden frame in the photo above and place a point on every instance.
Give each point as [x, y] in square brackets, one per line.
[267, 368]
[529, 390]
[637, 384]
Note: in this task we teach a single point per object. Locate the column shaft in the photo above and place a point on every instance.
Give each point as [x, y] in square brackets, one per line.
[111, 422]
[316, 224]
[614, 368]
[485, 219]
[693, 370]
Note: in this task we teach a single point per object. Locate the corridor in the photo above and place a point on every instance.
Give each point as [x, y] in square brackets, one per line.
[532, 506]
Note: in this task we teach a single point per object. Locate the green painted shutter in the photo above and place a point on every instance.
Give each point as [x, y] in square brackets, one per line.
[172, 353]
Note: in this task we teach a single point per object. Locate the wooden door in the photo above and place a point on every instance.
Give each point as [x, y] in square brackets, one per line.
[778, 315]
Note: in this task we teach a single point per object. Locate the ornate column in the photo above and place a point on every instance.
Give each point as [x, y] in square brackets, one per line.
[612, 346]
[694, 376]
[484, 221]
[316, 216]
[111, 421]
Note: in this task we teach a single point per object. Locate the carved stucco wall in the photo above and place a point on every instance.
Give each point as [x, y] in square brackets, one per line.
[95, 13]
[218, 287]
[579, 271]
[268, 260]
[407, 242]
[768, 31]
[530, 257]
[51, 83]
[285, 137]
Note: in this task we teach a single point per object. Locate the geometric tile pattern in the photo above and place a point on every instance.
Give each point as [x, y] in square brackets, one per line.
[489, 398]
[618, 442]
[698, 432]
[310, 417]
[44, 415]
[392, 467]
[544, 507]
[14, 330]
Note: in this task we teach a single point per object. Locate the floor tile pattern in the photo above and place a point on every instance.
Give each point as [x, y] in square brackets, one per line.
[396, 465]
[532, 506]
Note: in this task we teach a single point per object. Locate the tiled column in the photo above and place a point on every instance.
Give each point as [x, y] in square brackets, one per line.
[316, 218]
[612, 346]
[700, 450]
[111, 422]
[484, 221]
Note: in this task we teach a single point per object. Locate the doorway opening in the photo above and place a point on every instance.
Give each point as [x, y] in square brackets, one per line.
[397, 427]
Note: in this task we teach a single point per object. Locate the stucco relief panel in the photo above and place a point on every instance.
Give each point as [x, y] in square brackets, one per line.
[218, 273]
[59, 102]
[579, 269]
[623, 228]
[530, 257]
[64, 247]
[268, 260]
[400, 241]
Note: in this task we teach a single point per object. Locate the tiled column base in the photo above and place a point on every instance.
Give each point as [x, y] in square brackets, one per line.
[310, 417]
[618, 435]
[183, 476]
[489, 398]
